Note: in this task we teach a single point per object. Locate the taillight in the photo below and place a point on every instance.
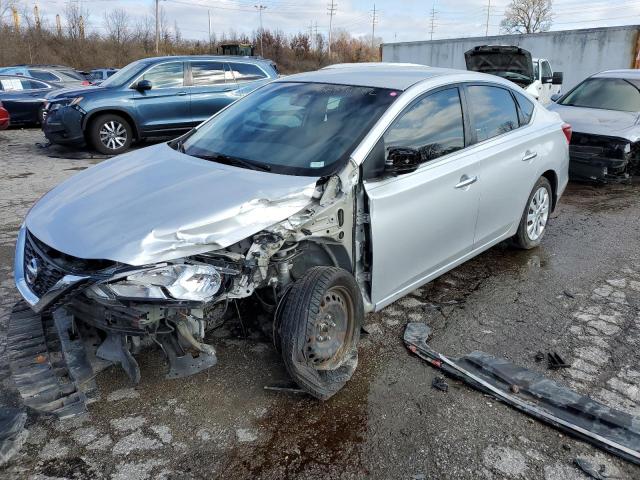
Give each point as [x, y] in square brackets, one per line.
[566, 129]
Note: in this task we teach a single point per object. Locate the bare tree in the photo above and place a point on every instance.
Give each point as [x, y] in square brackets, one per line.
[527, 16]
[6, 7]
[117, 26]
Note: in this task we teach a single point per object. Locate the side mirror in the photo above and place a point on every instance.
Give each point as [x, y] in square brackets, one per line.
[557, 78]
[555, 97]
[402, 160]
[546, 80]
[143, 85]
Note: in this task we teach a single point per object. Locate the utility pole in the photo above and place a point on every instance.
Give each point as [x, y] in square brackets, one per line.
[209, 15]
[58, 25]
[36, 16]
[260, 8]
[374, 20]
[486, 30]
[311, 35]
[433, 19]
[157, 27]
[332, 7]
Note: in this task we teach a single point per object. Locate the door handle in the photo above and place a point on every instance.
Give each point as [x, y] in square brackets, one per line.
[181, 93]
[465, 181]
[529, 155]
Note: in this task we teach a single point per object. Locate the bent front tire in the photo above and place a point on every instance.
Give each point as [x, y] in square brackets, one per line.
[319, 330]
[110, 134]
[533, 223]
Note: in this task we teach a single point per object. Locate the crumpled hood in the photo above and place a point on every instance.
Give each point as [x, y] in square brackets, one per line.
[596, 121]
[157, 204]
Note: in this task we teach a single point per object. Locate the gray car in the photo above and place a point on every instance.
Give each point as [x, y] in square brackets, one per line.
[604, 112]
[320, 196]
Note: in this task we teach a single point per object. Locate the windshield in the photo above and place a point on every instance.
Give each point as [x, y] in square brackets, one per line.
[605, 93]
[291, 128]
[124, 74]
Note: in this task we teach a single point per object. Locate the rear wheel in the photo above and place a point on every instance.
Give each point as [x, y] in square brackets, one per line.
[320, 328]
[533, 223]
[110, 134]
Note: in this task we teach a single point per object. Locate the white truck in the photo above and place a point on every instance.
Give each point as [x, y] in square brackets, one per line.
[514, 63]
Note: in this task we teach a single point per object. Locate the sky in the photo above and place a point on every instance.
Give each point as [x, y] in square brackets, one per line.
[397, 20]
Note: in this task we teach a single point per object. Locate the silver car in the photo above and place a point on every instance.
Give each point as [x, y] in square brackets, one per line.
[321, 196]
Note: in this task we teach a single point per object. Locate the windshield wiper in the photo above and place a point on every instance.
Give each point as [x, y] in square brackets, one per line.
[237, 161]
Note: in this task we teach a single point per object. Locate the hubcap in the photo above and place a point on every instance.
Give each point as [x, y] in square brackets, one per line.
[538, 214]
[329, 329]
[113, 135]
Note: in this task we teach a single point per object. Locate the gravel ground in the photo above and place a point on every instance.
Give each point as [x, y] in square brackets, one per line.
[578, 294]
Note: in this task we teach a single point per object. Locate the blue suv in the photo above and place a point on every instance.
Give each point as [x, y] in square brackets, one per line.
[152, 97]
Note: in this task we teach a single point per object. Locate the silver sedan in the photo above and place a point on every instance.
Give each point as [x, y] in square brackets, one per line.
[323, 196]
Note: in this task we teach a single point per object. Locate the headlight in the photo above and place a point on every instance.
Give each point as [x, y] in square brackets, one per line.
[180, 282]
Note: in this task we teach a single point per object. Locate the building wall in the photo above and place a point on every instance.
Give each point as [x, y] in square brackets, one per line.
[576, 53]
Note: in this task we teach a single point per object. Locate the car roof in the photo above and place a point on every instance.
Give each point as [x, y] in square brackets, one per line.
[377, 75]
[620, 73]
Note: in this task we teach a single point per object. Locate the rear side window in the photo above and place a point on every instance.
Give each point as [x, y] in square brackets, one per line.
[166, 75]
[208, 73]
[44, 75]
[246, 72]
[433, 126]
[494, 111]
[525, 108]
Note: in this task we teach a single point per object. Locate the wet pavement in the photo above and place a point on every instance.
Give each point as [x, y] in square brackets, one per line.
[578, 294]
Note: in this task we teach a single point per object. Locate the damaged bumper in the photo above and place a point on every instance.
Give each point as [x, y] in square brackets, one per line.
[599, 158]
[63, 125]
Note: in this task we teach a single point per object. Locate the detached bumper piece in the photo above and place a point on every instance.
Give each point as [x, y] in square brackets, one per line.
[534, 394]
[598, 158]
[48, 364]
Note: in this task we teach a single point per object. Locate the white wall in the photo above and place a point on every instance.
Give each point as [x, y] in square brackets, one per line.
[576, 53]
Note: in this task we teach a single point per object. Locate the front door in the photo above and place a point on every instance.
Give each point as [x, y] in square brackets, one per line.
[547, 83]
[423, 222]
[212, 89]
[165, 108]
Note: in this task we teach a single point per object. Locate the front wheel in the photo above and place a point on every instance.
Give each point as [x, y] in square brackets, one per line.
[320, 328]
[533, 223]
[110, 134]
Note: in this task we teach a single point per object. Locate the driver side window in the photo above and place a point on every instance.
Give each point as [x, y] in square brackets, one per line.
[433, 126]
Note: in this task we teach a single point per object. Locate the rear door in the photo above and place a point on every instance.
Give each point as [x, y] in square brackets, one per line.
[506, 154]
[423, 222]
[22, 98]
[212, 86]
[164, 108]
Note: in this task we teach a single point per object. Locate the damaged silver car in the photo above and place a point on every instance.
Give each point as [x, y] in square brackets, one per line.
[320, 196]
[604, 112]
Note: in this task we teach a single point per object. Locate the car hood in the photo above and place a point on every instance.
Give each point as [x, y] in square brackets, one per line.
[156, 204]
[501, 60]
[71, 92]
[596, 121]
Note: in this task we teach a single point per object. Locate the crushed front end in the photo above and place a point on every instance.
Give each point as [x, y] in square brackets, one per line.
[80, 316]
[601, 158]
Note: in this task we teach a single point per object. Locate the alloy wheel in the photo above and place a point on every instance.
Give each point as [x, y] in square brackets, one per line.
[113, 134]
[538, 213]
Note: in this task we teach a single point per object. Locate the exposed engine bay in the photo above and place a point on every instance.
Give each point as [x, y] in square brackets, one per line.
[118, 310]
[602, 158]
